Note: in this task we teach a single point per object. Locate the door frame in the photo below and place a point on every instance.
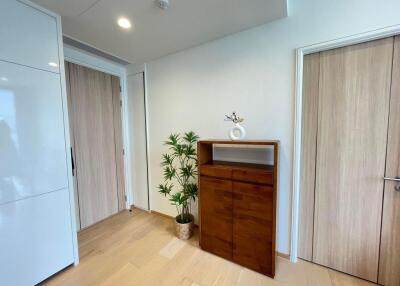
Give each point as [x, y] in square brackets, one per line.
[300, 53]
[85, 59]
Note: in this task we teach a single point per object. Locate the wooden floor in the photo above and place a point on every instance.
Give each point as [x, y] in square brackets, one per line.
[138, 248]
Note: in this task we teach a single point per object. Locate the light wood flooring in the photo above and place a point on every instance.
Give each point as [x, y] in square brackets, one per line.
[139, 248]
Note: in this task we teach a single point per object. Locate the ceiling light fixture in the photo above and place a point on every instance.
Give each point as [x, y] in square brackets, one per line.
[124, 23]
[162, 4]
[4, 78]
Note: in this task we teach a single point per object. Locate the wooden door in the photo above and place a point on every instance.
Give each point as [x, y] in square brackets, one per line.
[216, 213]
[308, 154]
[92, 124]
[72, 154]
[252, 224]
[119, 150]
[353, 108]
[389, 266]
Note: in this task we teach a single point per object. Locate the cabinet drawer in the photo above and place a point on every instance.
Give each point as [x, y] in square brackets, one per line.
[254, 176]
[216, 171]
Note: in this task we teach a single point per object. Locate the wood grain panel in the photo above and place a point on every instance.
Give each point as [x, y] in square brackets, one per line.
[253, 227]
[389, 267]
[257, 176]
[119, 145]
[308, 154]
[352, 134]
[216, 216]
[93, 126]
[72, 138]
[215, 170]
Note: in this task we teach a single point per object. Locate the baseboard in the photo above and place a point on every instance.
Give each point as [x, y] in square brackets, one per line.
[139, 208]
[168, 216]
[283, 255]
[161, 214]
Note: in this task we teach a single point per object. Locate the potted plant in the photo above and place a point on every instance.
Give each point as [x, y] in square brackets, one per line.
[180, 167]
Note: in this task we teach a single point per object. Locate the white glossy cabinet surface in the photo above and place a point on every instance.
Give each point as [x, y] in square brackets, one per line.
[36, 238]
[37, 230]
[32, 142]
[28, 36]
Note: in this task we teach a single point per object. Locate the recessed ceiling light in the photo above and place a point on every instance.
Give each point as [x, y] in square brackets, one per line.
[124, 23]
[4, 78]
[53, 64]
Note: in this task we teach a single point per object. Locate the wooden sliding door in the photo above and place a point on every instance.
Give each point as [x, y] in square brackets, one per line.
[97, 144]
[389, 266]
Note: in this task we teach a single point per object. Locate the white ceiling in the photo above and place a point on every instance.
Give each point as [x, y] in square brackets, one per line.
[157, 32]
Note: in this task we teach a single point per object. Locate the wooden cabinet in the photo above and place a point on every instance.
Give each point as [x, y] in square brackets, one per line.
[238, 207]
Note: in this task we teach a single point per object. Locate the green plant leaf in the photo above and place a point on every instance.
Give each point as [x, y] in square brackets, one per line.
[191, 191]
[187, 171]
[169, 172]
[167, 160]
[165, 189]
[180, 165]
[190, 137]
[172, 140]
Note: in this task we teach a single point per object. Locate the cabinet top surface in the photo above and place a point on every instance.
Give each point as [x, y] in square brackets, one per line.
[240, 142]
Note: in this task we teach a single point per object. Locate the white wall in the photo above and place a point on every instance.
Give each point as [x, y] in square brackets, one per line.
[251, 72]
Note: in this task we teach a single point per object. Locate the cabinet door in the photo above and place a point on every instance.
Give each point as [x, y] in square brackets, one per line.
[253, 227]
[28, 36]
[35, 240]
[216, 216]
[32, 141]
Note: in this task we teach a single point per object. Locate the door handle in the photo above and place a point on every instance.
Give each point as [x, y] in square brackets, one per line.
[396, 179]
[72, 162]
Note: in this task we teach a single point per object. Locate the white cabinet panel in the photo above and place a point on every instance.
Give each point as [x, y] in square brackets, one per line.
[32, 142]
[28, 36]
[36, 238]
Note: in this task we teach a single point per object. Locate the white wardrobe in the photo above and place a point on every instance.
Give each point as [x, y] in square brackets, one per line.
[37, 232]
